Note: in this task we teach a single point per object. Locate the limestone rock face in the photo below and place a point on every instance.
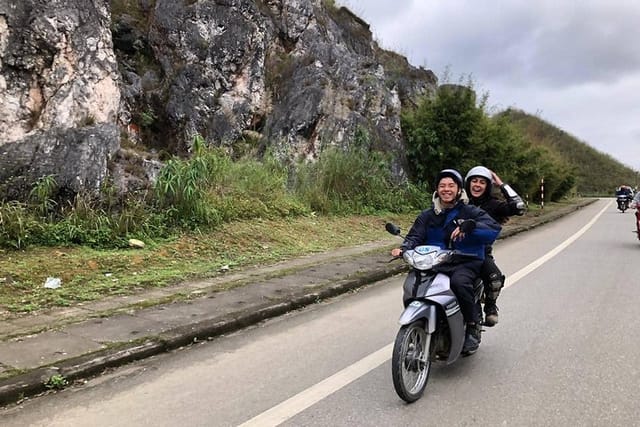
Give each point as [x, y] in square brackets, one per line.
[77, 158]
[299, 73]
[58, 79]
[293, 76]
[58, 66]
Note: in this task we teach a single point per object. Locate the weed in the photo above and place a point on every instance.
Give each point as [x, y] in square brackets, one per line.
[207, 190]
[147, 118]
[56, 382]
[355, 181]
[17, 224]
[42, 195]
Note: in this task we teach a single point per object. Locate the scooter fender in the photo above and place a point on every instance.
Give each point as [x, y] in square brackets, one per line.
[417, 310]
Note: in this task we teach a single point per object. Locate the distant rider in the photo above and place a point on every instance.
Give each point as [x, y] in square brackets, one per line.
[624, 190]
[452, 224]
[478, 185]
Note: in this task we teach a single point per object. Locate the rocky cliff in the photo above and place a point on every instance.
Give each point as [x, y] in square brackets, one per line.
[88, 86]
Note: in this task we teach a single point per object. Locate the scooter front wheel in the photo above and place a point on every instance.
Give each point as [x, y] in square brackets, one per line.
[410, 364]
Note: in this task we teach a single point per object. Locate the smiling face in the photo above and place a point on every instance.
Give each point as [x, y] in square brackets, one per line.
[477, 186]
[447, 191]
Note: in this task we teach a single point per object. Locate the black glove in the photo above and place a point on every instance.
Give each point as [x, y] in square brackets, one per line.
[467, 226]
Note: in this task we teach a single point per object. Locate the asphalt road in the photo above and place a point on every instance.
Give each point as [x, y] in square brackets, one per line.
[566, 352]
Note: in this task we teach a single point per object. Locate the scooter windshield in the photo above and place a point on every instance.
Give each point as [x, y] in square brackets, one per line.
[425, 257]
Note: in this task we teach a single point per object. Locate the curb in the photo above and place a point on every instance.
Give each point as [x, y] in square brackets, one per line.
[18, 387]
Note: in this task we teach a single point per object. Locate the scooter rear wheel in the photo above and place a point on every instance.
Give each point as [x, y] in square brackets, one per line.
[410, 364]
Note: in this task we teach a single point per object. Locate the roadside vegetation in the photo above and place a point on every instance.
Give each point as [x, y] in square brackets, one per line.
[213, 212]
[454, 129]
[89, 274]
[203, 192]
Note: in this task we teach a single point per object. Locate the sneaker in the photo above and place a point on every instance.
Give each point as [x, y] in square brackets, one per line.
[491, 314]
[471, 340]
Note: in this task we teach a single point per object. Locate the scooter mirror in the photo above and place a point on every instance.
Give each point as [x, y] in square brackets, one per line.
[392, 229]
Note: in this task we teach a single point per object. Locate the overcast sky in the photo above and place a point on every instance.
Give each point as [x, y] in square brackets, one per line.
[574, 63]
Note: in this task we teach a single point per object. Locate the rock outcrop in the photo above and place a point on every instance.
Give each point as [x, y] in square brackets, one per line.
[58, 80]
[77, 158]
[290, 75]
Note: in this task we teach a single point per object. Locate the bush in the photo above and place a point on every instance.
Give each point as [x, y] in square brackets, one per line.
[354, 181]
[17, 225]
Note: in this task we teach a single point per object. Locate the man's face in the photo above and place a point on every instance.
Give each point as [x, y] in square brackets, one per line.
[477, 186]
[447, 190]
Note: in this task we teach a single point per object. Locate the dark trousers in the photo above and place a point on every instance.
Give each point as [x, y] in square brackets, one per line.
[492, 277]
[462, 276]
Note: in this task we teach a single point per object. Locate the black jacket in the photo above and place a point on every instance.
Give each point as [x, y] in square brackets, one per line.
[500, 210]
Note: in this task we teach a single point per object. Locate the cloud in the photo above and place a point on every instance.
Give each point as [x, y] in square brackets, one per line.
[545, 42]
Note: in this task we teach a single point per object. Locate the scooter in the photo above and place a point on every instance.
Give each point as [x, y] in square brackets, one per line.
[432, 327]
[623, 202]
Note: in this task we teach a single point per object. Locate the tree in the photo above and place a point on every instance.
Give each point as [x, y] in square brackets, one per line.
[452, 130]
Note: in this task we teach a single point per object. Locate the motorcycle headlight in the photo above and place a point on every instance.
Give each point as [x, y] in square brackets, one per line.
[423, 262]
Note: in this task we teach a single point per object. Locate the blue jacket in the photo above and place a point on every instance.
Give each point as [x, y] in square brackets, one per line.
[435, 229]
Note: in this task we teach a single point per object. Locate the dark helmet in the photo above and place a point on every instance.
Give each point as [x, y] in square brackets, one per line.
[478, 172]
[453, 174]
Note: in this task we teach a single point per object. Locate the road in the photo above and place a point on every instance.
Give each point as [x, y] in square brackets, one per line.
[566, 352]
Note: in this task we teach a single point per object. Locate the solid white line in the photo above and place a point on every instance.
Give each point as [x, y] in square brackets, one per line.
[301, 401]
[312, 395]
[537, 263]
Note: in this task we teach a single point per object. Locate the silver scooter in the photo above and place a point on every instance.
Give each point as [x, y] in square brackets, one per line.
[432, 326]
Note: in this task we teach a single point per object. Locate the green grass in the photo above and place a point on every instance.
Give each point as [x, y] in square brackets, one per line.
[89, 274]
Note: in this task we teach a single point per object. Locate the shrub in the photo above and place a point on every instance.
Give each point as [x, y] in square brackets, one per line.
[352, 182]
[17, 225]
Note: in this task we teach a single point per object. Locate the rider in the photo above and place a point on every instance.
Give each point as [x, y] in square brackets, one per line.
[478, 184]
[452, 224]
[624, 190]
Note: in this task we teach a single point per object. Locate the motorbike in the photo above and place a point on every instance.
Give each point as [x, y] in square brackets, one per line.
[623, 202]
[432, 328]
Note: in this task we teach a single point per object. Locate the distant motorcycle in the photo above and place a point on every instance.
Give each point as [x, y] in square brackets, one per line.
[623, 202]
[432, 327]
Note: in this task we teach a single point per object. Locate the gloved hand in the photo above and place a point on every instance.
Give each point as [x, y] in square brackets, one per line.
[467, 226]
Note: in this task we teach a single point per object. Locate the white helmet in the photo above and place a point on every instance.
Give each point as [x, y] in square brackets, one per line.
[481, 172]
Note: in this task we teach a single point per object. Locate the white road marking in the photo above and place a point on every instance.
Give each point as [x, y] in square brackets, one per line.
[555, 251]
[301, 401]
[312, 395]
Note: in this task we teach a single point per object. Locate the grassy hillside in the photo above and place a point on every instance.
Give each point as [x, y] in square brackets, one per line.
[597, 173]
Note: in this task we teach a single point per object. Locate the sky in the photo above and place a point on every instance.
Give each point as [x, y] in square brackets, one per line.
[573, 63]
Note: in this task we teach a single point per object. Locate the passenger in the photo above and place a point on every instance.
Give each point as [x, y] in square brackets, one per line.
[478, 184]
